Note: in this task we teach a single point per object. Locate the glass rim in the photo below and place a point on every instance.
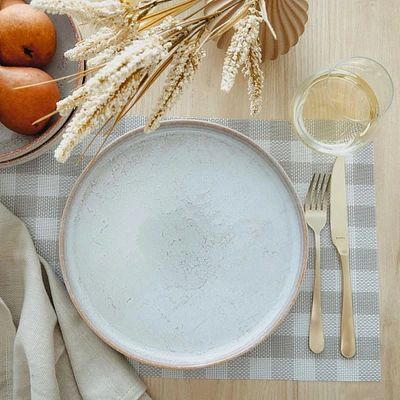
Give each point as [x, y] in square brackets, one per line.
[345, 60]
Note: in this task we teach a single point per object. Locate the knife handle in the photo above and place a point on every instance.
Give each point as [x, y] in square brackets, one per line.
[347, 335]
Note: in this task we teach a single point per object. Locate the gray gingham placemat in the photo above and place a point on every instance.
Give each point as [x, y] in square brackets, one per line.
[36, 192]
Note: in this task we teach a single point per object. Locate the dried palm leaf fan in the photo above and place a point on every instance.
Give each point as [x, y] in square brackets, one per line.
[287, 18]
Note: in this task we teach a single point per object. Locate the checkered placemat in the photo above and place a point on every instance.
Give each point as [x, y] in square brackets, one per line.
[36, 192]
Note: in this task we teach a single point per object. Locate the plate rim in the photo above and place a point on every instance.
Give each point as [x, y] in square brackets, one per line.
[229, 132]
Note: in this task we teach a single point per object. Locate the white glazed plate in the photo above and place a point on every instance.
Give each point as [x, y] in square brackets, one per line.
[14, 146]
[185, 247]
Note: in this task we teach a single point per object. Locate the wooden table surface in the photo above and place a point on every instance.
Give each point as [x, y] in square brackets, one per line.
[336, 29]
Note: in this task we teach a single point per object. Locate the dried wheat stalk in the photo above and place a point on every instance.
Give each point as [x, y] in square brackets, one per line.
[136, 41]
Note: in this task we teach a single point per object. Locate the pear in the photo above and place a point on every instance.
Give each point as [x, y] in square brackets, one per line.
[27, 37]
[8, 3]
[20, 108]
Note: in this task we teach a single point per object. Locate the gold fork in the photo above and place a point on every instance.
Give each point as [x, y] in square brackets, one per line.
[316, 207]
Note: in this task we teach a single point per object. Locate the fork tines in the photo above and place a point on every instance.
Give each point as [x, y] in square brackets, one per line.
[318, 192]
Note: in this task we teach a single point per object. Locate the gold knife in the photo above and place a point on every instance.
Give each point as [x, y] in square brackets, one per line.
[340, 238]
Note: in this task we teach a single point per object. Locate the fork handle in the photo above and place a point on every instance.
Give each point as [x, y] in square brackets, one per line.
[316, 336]
[347, 336]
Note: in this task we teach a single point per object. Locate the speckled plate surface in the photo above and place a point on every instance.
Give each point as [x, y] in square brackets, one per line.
[14, 146]
[185, 247]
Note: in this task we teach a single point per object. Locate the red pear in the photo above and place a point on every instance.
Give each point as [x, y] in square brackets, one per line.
[8, 3]
[20, 108]
[27, 37]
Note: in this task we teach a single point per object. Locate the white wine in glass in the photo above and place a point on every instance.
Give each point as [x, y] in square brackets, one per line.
[336, 111]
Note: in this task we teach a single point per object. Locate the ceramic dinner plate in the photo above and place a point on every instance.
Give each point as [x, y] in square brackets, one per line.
[13, 145]
[185, 247]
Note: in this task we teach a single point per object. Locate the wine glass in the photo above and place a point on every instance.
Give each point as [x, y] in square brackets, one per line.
[336, 110]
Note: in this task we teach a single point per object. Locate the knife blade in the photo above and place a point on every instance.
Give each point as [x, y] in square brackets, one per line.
[340, 238]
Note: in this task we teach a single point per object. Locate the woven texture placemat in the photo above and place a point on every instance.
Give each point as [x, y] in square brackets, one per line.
[37, 191]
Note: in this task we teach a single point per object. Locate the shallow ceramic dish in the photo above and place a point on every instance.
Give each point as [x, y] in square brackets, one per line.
[49, 145]
[13, 145]
[185, 247]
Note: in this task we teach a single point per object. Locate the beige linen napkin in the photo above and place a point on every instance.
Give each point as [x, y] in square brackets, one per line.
[46, 350]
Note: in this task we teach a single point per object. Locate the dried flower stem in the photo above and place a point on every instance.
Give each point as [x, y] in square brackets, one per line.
[136, 42]
[253, 73]
[183, 67]
[98, 11]
[106, 92]
[77, 75]
[245, 36]
[264, 14]
[150, 78]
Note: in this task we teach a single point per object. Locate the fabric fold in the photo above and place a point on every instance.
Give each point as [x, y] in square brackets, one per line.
[47, 351]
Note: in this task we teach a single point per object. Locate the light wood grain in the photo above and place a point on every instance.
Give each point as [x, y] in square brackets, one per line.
[336, 29]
